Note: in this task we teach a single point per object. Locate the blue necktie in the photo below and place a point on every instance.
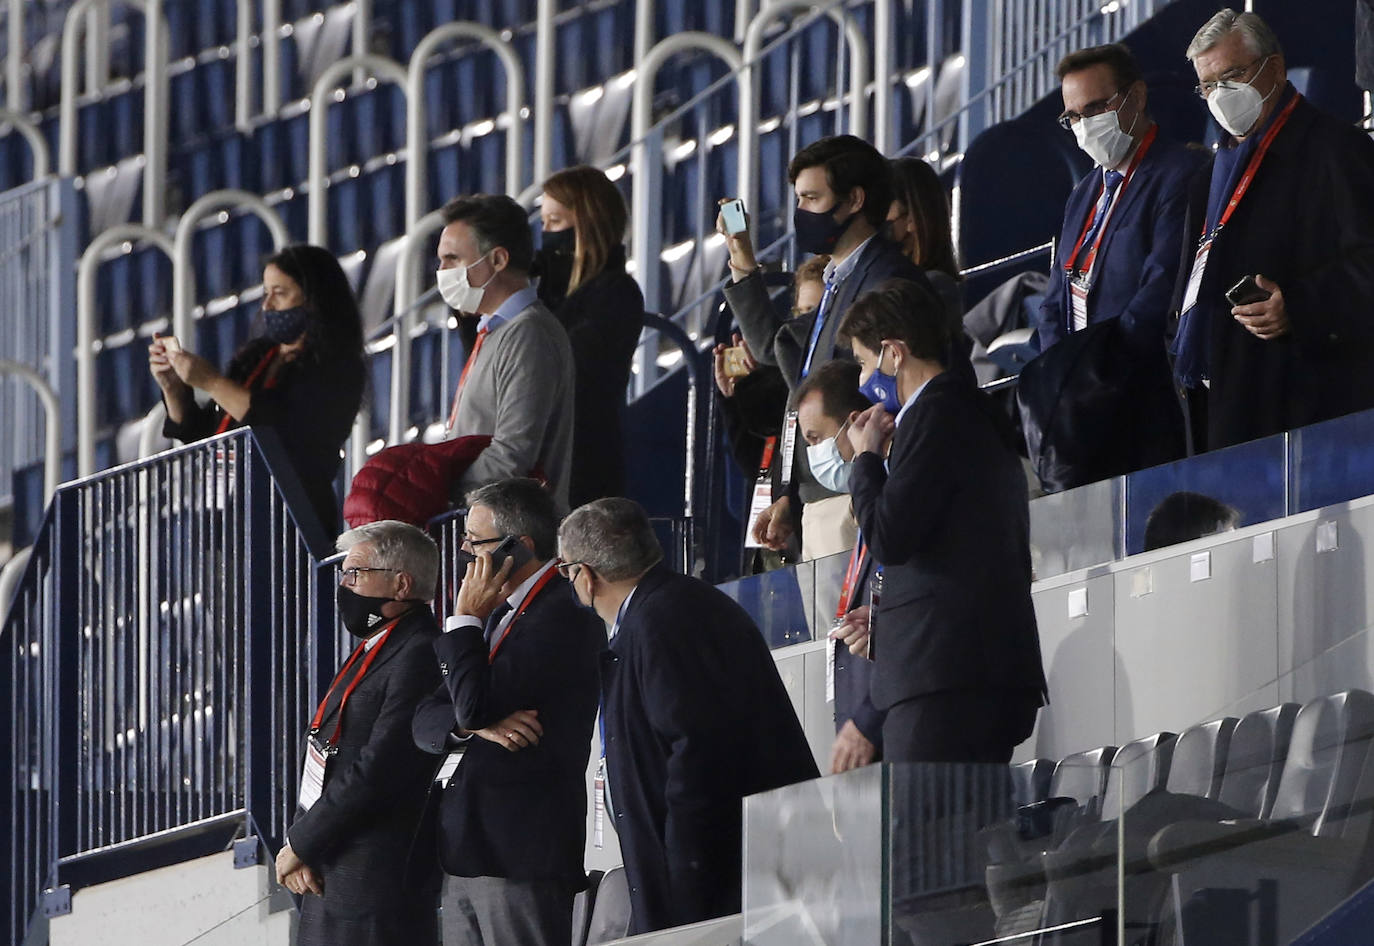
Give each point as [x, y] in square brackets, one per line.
[820, 323]
[494, 621]
[1111, 180]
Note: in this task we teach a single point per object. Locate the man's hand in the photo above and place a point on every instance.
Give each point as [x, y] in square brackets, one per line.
[871, 430]
[295, 875]
[773, 527]
[851, 749]
[853, 633]
[1265, 320]
[724, 382]
[481, 591]
[741, 247]
[517, 731]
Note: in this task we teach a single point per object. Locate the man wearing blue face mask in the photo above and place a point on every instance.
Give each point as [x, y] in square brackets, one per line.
[1274, 330]
[517, 384]
[941, 500]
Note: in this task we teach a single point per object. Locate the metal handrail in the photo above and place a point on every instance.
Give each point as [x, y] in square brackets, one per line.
[155, 97]
[14, 56]
[382, 67]
[545, 48]
[52, 426]
[749, 90]
[404, 306]
[184, 273]
[37, 143]
[85, 329]
[645, 248]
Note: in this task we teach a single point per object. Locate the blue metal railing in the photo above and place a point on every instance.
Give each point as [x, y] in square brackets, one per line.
[160, 659]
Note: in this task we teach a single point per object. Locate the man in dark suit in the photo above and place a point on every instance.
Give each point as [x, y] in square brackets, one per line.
[356, 849]
[957, 655]
[843, 187]
[1290, 202]
[1116, 262]
[695, 717]
[519, 660]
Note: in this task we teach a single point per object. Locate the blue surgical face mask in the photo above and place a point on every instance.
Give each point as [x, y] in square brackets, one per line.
[882, 388]
[284, 326]
[828, 467]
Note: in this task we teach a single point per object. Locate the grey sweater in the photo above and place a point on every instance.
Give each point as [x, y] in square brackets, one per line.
[520, 391]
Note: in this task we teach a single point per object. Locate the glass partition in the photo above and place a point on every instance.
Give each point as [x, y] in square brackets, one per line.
[1331, 462]
[781, 602]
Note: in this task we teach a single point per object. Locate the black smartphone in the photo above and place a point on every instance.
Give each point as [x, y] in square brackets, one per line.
[1246, 291]
[510, 548]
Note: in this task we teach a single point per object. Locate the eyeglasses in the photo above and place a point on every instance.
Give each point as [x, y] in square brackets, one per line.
[349, 576]
[566, 569]
[476, 543]
[1068, 119]
[1229, 79]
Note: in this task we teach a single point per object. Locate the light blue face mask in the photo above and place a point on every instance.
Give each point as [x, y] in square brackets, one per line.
[882, 388]
[828, 466]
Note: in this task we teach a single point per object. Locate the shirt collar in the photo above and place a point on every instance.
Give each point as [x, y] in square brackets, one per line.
[912, 400]
[516, 303]
[836, 272]
[620, 615]
[517, 597]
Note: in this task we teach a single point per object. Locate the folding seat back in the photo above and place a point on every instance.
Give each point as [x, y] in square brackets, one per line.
[610, 918]
[1138, 768]
[1254, 760]
[1325, 757]
[1082, 776]
[1200, 758]
[1030, 781]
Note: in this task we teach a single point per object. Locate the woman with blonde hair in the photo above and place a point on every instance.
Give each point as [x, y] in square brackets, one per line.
[582, 278]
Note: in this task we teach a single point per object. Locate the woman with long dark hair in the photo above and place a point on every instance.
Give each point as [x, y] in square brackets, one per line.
[302, 376]
[919, 218]
[582, 278]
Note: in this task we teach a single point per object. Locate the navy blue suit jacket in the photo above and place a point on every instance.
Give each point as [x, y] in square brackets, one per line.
[696, 718]
[1138, 260]
[854, 675]
[519, 815]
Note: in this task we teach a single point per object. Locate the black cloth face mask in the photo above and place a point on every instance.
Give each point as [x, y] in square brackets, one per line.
[553, 264]
[818, 232]
[361, 614]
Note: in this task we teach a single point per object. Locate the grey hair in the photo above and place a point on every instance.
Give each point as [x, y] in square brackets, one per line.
[612, 537]
[1259, 38]
[401, 546]
[521, 506]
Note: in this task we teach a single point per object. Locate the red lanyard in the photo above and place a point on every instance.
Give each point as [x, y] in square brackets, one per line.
[1253, 166]
[262, 366]
[851, 577]
[463, 378]
[544, 579]
[767, 462]
[1069, 264]
[348, 691]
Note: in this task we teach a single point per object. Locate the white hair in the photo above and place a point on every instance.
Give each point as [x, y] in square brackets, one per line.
[1259, 38]
[401, 546]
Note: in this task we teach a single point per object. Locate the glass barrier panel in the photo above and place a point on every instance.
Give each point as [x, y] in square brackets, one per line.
[1076, 529]
[1234, 487]
[781, 602]
[1331, 462]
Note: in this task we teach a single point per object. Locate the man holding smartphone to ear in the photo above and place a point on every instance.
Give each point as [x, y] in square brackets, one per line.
[520, 665]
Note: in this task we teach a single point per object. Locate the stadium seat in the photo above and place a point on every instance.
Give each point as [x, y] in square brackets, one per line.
[610, 918]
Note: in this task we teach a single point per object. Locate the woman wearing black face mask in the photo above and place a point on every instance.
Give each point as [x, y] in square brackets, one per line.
[581, 269]
[303, 375]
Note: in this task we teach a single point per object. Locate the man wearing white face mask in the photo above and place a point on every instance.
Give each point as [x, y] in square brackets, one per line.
[1288, 208]
[517, 384]
[1118, 250]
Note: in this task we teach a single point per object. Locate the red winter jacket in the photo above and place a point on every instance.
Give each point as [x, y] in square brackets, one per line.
[411, 482]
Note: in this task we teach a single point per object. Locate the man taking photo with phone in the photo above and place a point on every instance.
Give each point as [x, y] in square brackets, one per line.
[519, 660]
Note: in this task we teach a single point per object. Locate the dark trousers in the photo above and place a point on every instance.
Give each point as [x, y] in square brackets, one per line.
[959, 726]
[494, 911]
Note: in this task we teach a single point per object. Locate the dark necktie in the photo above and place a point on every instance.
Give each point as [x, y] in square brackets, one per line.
[1111, 180]
[493, 622]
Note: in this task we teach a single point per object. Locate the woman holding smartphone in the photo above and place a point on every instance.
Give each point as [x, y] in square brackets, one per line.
[303, 375]
[582, 279]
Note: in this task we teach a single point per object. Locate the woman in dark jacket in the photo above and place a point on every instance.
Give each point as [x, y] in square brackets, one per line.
[919, 218]
[581, 269]
[303, 376]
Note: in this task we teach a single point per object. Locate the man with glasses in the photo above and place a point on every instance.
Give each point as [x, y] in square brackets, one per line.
[695, 717]
[519, 662]
[352, 850]
[1115, 262]
[1273, 302]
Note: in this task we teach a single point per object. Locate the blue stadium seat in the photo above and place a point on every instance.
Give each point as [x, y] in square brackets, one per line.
[152, 274]
[215, 84]
[386, 198]
[124, 134]
[114, 294]
[349, 224]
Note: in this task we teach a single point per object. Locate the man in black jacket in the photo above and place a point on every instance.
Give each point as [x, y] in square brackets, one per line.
[957, 654]
[356, 848]
[695, 717]
[519, 661]
[1290, 202]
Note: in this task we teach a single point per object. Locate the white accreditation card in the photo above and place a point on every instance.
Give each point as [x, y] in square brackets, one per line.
[312, 775]
[1195, 277]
